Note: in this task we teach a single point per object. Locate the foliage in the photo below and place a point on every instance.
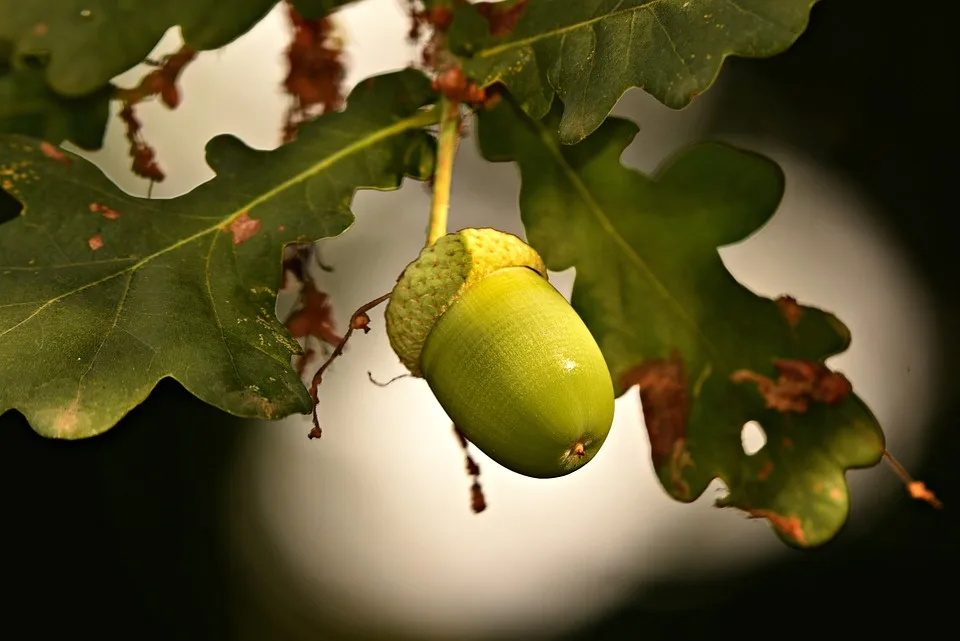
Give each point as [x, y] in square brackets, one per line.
[670, 318]
[29, 106]
[85, 43]
[590, 53]
[103, 294]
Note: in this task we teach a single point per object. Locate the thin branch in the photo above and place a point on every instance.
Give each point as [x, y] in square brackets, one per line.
[359, 320]
[392, 380]
[478, 502]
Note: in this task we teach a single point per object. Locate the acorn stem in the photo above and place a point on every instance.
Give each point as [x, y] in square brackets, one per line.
[446, 150]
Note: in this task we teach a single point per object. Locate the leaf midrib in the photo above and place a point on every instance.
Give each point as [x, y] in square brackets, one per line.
[529, 40]
[419, 119]
[608, 227]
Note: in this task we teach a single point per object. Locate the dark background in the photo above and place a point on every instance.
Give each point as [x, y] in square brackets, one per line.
[117, 536]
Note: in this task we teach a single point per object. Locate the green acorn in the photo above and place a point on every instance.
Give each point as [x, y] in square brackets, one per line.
[507, 357]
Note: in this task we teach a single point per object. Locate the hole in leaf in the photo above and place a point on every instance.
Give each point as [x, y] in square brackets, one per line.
[9, 207]
[35, 59]
[752, 438]
[6, 53]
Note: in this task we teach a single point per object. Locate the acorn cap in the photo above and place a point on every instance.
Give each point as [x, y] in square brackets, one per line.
[429, 285]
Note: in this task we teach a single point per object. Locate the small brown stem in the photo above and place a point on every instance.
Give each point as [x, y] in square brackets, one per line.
[359, 320]
[916, 488]
[478, 502]
[319, 261]
[392, 380]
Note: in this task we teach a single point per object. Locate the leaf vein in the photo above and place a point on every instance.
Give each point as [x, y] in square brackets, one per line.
[736, 5]
[619, 241]
[85, 263]
[553, 33]
[673, 45]
[216, 313]
[417, 120]
[107, 334]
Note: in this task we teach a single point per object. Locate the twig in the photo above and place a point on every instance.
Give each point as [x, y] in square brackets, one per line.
[478, 502]
[916, 488]
[442, 177]
[319, 261]
[392, 380]
[359, 320]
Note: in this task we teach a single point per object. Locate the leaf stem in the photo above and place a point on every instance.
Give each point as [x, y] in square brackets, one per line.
[446, 150]
[917, 489]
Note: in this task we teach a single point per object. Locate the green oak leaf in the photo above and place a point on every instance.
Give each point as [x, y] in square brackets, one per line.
[590, 52]
[103, 294]
[319, 8]
[652, 288]
[28, 106]
[83, 44]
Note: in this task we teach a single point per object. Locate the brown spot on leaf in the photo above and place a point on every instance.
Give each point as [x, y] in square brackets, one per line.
[832, 389]
[106, 212]
[663, 396]
[789, 526]
[791, 310]
[244, 228]
[836, 494]
[787, 442]
[40, 29]
[54, 153]
[501, 16]
[95, 242]
[799, 382]
[765, 471]
[67, 421]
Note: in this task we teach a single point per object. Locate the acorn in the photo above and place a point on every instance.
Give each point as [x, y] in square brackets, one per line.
[506, 356]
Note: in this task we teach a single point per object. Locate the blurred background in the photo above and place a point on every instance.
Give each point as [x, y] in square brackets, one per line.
[185, 523]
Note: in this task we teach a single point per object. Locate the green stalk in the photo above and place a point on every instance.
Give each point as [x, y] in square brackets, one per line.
[446, 150]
